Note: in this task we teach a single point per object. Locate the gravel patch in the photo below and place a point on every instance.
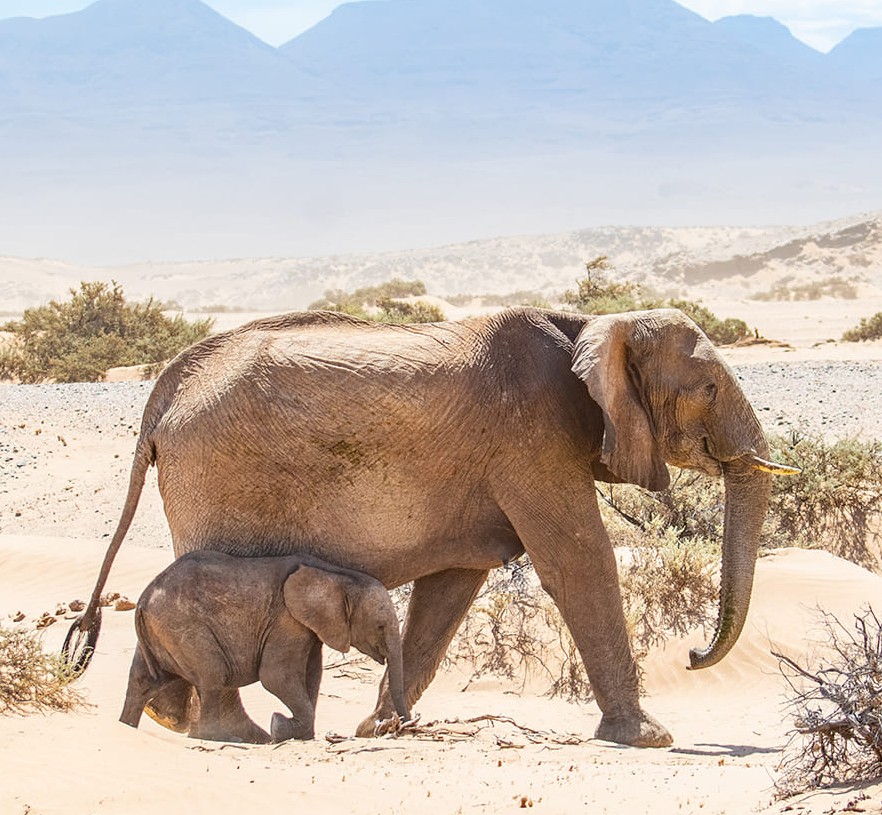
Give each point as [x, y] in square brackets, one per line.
[834, 399]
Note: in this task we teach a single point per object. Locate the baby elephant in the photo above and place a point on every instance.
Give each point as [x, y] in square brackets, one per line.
[222, 622]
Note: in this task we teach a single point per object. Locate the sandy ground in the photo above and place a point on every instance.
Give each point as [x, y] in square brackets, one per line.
[65, 464]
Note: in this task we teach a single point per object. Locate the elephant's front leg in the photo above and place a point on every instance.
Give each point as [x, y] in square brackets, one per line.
[284, 674]
[222, 718]
[576, 565]
[438, 604]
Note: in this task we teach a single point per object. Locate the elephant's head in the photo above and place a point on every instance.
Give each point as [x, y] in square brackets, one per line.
[668, 397]
[346, 610]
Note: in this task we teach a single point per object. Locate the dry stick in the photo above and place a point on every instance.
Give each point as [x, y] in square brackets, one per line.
[436, 730]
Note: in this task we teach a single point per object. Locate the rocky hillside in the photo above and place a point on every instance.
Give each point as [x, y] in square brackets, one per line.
[837, 258]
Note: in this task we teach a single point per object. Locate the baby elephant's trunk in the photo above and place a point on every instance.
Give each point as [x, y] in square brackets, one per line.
[395, 669]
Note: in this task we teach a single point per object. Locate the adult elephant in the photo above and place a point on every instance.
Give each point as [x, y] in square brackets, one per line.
[436, 452]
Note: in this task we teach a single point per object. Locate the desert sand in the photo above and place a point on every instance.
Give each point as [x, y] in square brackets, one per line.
[65, 459]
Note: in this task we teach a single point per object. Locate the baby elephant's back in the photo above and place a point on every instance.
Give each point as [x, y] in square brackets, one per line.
[202, 616]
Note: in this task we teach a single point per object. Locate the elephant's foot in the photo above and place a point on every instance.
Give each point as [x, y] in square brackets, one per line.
[637, 730]
[217, 732]
[282, 729]
[176, 706]
[368, 728]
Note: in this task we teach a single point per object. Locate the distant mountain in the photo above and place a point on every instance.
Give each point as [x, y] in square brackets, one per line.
[774, 39]
[120, 55]
[860, 55]
[137, 129]
[625, 58]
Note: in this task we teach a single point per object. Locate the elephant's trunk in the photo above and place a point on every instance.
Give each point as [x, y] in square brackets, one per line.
[395, 669]
[747, 498]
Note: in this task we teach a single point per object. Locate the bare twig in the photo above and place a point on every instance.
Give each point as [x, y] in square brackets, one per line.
[837, 734]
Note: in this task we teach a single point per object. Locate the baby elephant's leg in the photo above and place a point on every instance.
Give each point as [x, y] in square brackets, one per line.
[297, 686]
[215, 725]
[142, 687]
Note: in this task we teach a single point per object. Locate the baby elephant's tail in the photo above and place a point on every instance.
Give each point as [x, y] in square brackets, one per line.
[143, 640]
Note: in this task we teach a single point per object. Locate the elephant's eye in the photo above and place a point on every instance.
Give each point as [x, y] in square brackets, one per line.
[710, 392]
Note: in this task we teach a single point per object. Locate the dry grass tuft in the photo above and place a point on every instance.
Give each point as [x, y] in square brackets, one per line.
[30, 679]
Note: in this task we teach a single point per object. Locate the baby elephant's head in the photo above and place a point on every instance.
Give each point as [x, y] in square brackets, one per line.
[350, 609]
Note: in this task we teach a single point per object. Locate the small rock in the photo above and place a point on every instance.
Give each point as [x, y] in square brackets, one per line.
[45, 620]
[109, 599]
[18, 616]
[76, 605]
[60, 610]
[123, 604]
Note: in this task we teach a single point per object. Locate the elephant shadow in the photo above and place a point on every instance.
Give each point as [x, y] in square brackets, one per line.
[725, 750]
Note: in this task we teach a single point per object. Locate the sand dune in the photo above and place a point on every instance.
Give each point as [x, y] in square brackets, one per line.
[727, 721]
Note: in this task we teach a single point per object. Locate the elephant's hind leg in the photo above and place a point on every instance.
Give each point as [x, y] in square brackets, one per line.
[437, 606]
[142, 687]
[176, 706]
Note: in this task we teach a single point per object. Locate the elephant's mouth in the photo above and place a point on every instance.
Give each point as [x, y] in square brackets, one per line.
[700, 457]
[749, 457]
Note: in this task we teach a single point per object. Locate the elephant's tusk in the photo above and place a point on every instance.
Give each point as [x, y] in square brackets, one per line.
[771, 467]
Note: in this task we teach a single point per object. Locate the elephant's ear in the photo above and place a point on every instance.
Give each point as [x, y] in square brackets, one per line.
[319, 600]
[603, 359]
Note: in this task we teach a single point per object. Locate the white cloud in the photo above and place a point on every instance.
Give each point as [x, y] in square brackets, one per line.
[275, 21]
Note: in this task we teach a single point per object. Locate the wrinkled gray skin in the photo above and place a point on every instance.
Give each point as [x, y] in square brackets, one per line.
[436, 452]
[256, 619]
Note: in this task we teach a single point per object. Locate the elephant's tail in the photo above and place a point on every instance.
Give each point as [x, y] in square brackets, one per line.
[79, 645]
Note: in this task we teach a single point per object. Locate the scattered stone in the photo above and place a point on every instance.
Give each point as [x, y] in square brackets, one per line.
[109, 599]
[46, 619]
[123, 604]
[76, 605]
[60, 610]
[18, 616]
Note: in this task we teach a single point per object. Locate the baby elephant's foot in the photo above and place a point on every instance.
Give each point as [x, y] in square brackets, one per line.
[282, 728]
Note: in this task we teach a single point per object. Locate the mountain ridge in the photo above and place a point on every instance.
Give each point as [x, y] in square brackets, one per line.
[132, 130]
[707, 262]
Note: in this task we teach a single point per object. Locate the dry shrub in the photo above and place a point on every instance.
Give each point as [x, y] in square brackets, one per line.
[30, 679]
[787, 290]
[669, 588]
[837, 709]
[869, 328]
[834, 503]
[514, 631]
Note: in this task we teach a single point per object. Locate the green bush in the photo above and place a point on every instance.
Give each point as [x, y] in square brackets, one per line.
[383, 303]
[78, 340]
[719, 332]
[400, 311]
[358, 301]
[869, 328]
[597, 294]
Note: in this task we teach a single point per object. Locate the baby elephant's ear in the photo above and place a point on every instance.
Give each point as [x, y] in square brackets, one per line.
[318, 599]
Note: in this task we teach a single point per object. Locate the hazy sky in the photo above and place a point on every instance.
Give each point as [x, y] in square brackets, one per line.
[821, 23]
